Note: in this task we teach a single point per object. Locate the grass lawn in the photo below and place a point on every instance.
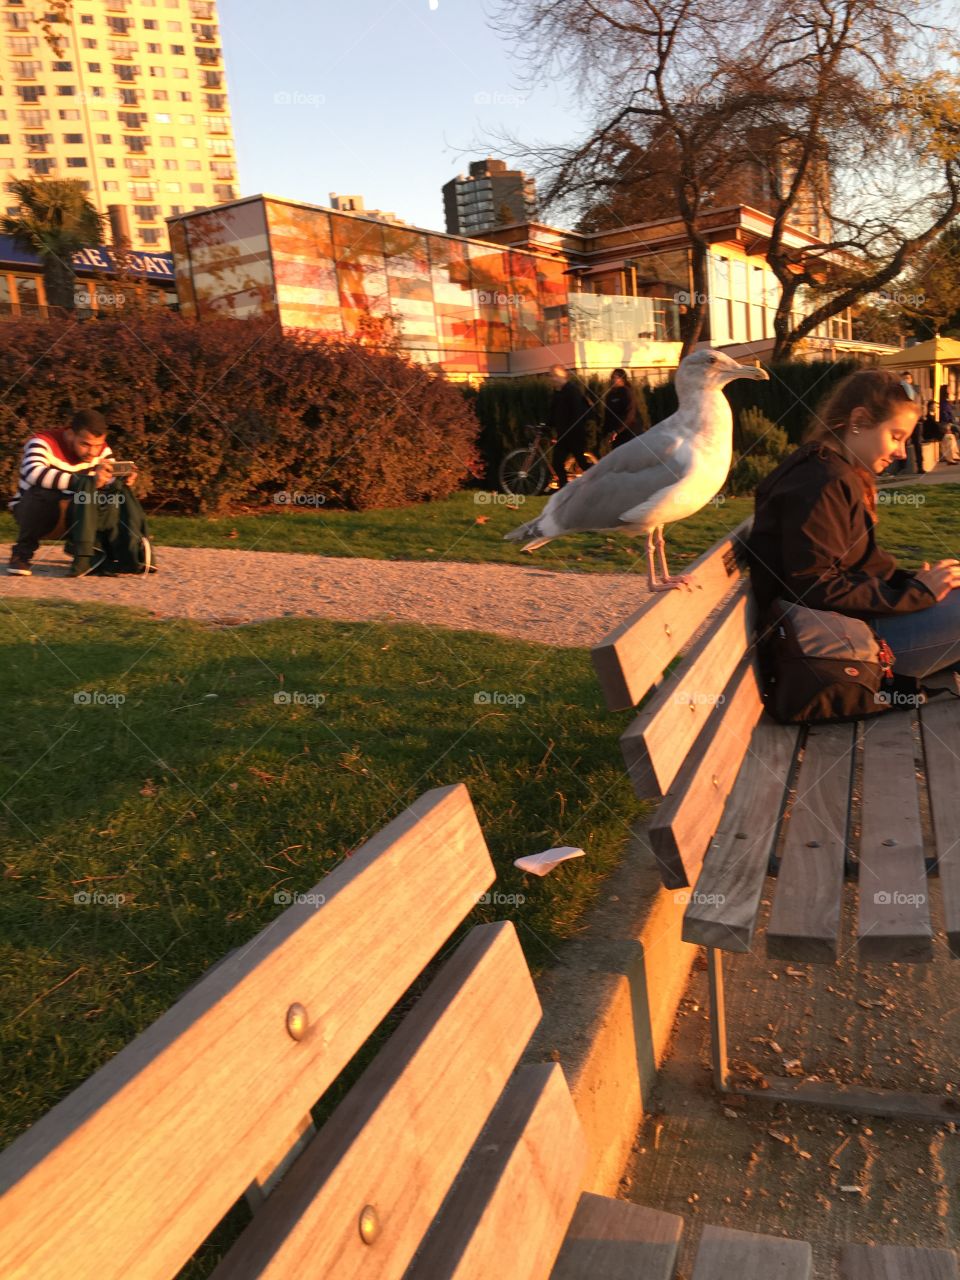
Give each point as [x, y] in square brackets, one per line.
[913, 520]
[198, 798]
[434, 531]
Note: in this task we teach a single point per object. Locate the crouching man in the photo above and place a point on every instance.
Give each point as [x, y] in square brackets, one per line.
[67, 488]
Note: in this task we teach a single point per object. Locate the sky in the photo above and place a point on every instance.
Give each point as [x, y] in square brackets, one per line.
[388, 99]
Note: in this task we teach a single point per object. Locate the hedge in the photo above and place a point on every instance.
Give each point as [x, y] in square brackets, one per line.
[228, 412]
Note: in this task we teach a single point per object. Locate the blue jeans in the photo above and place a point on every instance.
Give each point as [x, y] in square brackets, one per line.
[925, 641]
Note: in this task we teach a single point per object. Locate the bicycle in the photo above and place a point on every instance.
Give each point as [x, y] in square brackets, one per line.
[527, 472]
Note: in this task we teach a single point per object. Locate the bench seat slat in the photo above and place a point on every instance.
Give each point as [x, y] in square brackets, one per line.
[683, 826]
[401, 1134]
[940, 725]
[656, 744]
[162, 1140]
[619, 1240]
[896, 1262]
[804, 921]
[723, 908]
[894, 914]
[725, 1254]
[509, 1209]
[634, 655]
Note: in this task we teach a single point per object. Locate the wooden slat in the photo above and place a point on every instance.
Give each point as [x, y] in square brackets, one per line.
[942, 1108]
[633, 656]
[509, 1210]
[129, 1174]
[725, 1253]
[894, 915]
[896, 1262]
[619, 1241]
[398, 1139]
[723, 907]
[940, 724]
[681, 831]
[656, 744]
[805, 919]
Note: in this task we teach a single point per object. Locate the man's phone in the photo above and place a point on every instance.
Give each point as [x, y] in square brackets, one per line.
[121, 469]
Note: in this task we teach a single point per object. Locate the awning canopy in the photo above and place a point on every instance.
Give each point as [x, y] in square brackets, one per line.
[933, 351]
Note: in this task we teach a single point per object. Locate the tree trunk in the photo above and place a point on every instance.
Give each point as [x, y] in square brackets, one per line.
[59, 281]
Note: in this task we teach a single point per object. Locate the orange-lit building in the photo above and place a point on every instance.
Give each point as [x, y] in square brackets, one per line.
[526, 297]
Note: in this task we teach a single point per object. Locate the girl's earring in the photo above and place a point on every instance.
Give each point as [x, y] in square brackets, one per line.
[856, 431]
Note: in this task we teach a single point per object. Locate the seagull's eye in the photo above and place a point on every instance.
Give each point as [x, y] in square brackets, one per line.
[712, 360]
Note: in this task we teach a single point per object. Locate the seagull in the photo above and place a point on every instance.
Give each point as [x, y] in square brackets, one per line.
[667, 474]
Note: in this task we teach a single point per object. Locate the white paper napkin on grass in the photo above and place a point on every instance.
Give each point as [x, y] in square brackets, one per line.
[539, 864]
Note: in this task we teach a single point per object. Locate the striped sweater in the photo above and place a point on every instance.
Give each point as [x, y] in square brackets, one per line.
[48, 462]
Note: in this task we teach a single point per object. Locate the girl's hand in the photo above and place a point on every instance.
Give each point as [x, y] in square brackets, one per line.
[941, 579]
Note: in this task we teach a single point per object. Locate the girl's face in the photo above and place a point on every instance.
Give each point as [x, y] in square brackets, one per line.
[876, 447]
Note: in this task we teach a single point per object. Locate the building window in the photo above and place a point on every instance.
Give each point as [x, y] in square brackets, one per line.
[188, 142]
[166, 141]
[192, 164]
[158, 72]
[196, 188]
[73, 139]
[154, 48]
[87, 43]
[100, 115]
[104, 139]
[70, 113]
[172, 186]
[177, 49]
[93, 68]
[151, 24]
[66, 90]
[4, 138]
[111, 185]
[76, 162]
[186, 119]
[146, 212]
[174, 26]
[171, 164]
[150, 235]
[87, 19]
[62, 66]
[161, 95]
[184, 95]
[179, 73]
[109, 162]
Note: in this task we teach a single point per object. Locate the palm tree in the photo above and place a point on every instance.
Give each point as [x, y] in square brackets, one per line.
[55, 220]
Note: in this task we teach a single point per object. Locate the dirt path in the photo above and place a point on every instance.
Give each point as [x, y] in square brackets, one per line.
[235, 587]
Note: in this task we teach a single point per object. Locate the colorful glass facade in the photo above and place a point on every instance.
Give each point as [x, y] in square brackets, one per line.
[459, 305]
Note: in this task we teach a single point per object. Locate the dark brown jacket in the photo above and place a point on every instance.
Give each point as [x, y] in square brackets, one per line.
[813, 541]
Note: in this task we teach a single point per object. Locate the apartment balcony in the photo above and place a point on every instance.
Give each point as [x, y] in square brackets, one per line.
[204, 34]
[598, 317]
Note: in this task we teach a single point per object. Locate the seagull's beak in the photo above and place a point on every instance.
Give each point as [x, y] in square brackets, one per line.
[748, 371]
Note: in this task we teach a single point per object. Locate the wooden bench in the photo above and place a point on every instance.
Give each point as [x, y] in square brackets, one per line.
[444, 1158]
[742, 797]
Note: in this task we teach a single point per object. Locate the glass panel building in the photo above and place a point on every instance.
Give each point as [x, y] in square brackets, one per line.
[527, 297]
[463, 306]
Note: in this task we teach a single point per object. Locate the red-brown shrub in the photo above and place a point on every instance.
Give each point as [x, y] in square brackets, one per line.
[235, 411]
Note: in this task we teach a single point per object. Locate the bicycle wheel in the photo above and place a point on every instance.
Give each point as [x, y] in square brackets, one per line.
[522, 475]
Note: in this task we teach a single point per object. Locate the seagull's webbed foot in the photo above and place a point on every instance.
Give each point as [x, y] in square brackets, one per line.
[670, 584]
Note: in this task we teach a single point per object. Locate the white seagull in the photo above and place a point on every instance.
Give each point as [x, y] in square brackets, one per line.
[667, 474]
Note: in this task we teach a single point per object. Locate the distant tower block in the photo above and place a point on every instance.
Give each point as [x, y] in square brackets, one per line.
[490, 196]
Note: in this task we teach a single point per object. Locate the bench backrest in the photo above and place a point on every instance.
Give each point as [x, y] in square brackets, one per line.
[689, 739]
[129, 1174]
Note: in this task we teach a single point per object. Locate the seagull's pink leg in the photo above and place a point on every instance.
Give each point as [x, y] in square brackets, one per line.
[651, 571]
[668, 582]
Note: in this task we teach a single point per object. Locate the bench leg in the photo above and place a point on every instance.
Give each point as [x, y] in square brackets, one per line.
[718, 1021]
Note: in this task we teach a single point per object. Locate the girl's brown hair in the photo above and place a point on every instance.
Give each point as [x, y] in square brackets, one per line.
[878, 392]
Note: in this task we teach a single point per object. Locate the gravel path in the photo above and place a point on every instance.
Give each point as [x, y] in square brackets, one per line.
[235, 587]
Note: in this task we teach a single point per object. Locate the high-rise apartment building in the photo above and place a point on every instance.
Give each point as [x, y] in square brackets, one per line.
[491, 195]
[133, 103]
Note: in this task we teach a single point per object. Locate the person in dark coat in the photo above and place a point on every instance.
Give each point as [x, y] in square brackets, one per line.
[567, 420]
[813, 540]
[620, 418]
